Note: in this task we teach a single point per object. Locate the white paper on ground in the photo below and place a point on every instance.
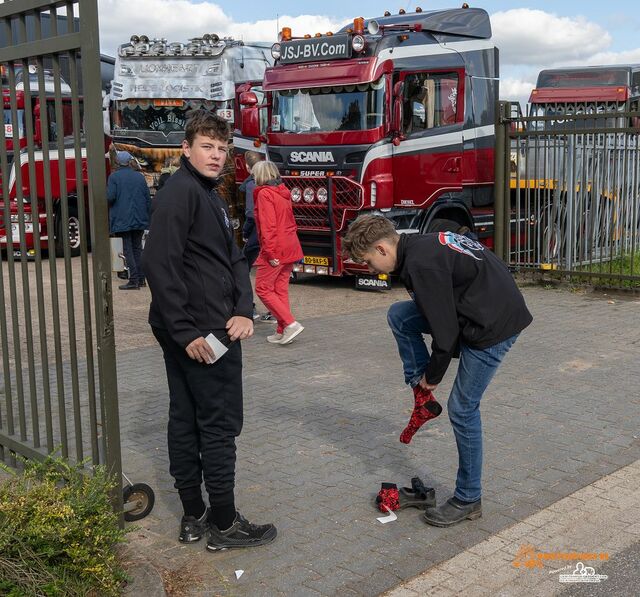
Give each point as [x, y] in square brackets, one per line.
[218, 347]
[239, 573]
[385, 519]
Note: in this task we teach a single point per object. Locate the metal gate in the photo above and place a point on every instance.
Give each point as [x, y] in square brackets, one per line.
[58, 390]
[567, 192]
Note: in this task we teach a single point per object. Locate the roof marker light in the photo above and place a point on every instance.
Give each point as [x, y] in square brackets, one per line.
[402, 11]
[418, 9]
[358, 25]
[387, 13]
[285, 34]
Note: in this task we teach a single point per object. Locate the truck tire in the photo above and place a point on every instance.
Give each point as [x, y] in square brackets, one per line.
[443, 225]
[71, 230]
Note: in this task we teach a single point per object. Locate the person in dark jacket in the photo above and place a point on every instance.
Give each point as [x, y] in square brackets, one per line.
[249, 231]
[199, 283]
[129, 204]
[465, 298]
[279, 249]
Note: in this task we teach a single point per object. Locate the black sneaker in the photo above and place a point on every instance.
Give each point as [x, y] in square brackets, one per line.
[192, 529]
[240, 534]
[129, 286]
[268, 318]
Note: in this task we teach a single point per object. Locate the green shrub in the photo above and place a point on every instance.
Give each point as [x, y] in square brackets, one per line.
[58, 532]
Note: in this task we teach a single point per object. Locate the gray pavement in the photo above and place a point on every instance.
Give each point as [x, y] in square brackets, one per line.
[322, 419]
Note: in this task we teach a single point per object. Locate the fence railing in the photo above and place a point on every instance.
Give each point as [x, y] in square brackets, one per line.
[58, 388]
[569, 185]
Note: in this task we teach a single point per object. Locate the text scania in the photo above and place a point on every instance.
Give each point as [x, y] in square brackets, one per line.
[311, 156]
[308, 50]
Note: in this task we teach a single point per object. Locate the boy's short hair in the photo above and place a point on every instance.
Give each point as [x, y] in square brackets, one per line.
[251, 158]
[365, 232]
[263, 172]
[208, 124]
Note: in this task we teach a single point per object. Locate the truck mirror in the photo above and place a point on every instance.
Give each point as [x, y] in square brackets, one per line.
[248, 99]
[250, 121]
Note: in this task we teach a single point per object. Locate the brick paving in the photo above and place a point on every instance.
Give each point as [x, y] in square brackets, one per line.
[322, 419]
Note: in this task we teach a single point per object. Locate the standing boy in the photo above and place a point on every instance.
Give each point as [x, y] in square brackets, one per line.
[199, 284]
[466, 299]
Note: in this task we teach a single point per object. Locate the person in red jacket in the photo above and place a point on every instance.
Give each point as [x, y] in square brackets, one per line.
[279, 249]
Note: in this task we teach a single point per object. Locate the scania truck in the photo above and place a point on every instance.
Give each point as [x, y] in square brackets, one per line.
[392, 115]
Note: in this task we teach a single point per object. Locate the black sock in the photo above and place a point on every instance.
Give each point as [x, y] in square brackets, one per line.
[223, 510]
[192, 502]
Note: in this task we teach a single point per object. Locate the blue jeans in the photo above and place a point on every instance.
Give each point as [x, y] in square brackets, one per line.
[132, 249]
[475, 371]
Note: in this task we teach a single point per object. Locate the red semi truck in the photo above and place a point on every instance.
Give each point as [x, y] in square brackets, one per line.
[15, 139]
[393, 115]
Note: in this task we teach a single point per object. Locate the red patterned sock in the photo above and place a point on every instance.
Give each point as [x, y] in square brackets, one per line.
[426, 408]
[388, 496]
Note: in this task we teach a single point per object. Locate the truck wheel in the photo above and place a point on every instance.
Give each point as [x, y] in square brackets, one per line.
[443, 225]
[71, 230]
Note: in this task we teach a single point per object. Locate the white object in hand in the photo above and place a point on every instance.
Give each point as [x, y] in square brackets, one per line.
[219, 349]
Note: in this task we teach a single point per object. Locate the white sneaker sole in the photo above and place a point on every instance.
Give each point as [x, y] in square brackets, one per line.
[290, 339]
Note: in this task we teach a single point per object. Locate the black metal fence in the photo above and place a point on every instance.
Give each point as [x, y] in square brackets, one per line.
[58, 387]
[567, 189]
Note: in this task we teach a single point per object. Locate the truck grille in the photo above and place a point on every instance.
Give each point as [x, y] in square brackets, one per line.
[347, 195]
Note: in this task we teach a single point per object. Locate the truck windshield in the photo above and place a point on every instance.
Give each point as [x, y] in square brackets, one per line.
[9, 124]
[328, 109]
[146, 116]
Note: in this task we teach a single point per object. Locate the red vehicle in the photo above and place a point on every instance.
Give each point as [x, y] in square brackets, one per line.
[18, 169]
[393, 115]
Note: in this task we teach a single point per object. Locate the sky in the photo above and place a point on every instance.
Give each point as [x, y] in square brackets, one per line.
[530, 35]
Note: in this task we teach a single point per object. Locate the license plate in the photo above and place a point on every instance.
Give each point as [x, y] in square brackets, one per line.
[372, 283]
[316, 260]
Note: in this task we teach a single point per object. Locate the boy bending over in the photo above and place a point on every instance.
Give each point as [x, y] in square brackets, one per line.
[464, 297]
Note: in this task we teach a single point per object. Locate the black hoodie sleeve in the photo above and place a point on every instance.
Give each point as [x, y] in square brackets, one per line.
[163, 265]
[435, 299]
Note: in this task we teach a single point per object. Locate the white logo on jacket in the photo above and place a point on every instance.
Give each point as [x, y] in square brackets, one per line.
[460, 243]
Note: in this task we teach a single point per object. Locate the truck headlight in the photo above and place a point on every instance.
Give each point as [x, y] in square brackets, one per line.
[296, 194]
[308, 195]
[322, 195]
[276, 51]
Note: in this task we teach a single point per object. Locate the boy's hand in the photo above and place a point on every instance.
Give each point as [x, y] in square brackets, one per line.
[199, 350]
[427, 386]
[239, 328]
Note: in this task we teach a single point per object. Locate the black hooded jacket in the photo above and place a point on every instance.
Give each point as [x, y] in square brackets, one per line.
[198, 276]
[463, 290]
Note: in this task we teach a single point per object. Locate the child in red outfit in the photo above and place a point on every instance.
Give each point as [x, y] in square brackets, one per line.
[279, 249]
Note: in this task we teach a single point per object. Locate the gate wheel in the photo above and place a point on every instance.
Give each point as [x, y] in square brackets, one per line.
[140, 498]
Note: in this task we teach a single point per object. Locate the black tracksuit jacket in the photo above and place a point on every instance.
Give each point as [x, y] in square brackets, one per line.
[464, 291]
[198, 276]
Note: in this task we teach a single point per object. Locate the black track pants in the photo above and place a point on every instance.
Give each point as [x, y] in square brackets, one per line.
[205, 417]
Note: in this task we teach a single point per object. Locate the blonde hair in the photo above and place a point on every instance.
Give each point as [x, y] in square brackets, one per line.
[365, 232]
[263, 172]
